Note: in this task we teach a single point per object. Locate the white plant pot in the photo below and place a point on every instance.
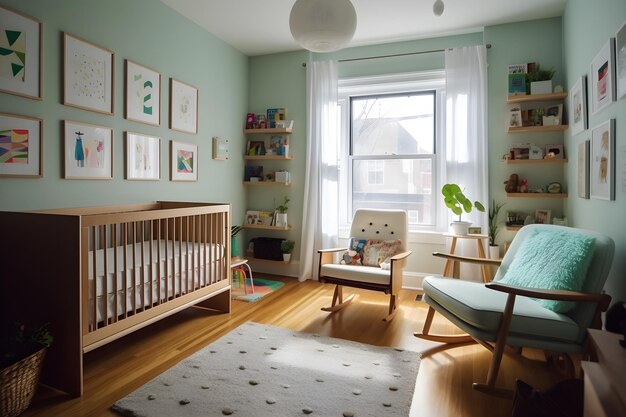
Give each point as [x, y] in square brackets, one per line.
[286, 257]
[460, 228]
[281, 220]
[494, 252]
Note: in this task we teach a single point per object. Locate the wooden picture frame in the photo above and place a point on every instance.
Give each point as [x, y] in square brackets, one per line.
[583, 169]
[543, 216]
[184, 161]
[87, 75]
[21, 68]
[143, 157]
[602, 165]
[620, 61]
[556, 149]
[88, 151]
[21, 146]
[602, 79]
[578, 106]
[183, 107]
[143, 94]
[220, 149]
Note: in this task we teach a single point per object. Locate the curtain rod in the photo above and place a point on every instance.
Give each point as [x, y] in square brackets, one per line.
[488, 46]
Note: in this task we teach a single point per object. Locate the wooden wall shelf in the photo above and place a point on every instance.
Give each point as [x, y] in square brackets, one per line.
[537, 129]
[266, 157]
[536, 97]
[267, 183]
[268, 131]
[266, 227]
[536, 161]
[537, 195]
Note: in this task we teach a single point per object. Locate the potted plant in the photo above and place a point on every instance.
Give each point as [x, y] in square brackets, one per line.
[23, 349]
[281, 213]
[539, 81]
[494, 211]
[458, 203]
[234, 240]
[286, 247]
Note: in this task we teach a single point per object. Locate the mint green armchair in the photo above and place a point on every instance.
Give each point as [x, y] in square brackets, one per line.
[546, 293]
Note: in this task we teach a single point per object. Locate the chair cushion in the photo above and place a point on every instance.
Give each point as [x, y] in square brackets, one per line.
[360, 273]
[552, 259]
[482, 308]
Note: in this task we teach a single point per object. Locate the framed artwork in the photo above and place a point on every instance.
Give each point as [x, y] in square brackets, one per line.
[88, 151]
[143, 157]
[21, 41]
[583, 169]
[602, 165]
[220, 149]
[620, 61]
[143, 94]
[184, 161]
[555, 151]
[578, 106]
[183, 107]
[552, 115]
[87, 75]
[21, 146]
[543, 216]
[602, 87]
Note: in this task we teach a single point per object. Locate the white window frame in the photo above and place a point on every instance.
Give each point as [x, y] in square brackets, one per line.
[388, 84]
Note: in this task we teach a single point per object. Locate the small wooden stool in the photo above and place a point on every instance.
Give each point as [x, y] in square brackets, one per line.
[450, 267]
[240, 264]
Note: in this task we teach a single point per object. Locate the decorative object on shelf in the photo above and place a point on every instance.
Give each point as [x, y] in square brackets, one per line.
[474, 230]
[253, 171]
[554, 151]
[522, 185]
[520, 151]
[554, 188]
[282, 176]
[184, 161]
[457, 202]
[552, 115]
[281, 213]
[583, 169]
[578, 106]
[620, 61]
[602, 79]
[250, 121]
[22, 55]
[88, 75]
[21, 146]
[517, 79]
[88, 151]
[255, 148]
[286, 247]
[322, 25]
[183, 107]
[438, 7]
[235, 246]
[511, 185]
[535, 152]
[542, 216]
[539, 81]
[494, 212]
[515, 119]
[220, 149]
[560, 221]
[143, 94]
[143, 157]
[602, 167]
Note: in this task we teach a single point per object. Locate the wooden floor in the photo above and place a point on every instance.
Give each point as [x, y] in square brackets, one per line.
[443, 385]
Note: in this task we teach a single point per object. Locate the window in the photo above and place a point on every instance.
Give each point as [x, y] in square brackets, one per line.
[389, 145]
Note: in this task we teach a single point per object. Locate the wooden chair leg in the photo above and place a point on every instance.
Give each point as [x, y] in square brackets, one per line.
[450, 339]
[338, 301]
[392, 308]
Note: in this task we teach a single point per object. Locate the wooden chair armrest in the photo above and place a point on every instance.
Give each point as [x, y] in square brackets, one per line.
[331, 250]
[401, 256]
[560, 295]
[468, 259]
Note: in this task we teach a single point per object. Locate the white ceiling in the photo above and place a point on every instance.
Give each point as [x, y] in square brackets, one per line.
[259, 27]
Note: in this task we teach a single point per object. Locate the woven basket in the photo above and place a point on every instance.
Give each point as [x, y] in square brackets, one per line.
[18, 383]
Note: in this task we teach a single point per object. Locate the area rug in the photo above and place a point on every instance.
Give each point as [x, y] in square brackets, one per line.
[262, 287]
[264, 371]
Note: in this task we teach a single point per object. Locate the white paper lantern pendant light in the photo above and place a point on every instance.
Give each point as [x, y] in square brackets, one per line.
[322, 25]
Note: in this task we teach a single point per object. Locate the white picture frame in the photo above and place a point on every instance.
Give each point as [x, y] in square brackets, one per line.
[88, 151]
[583, 169]
[143, 94]
[184, 161]
[183, 107]
[578, 106]
[21, 146]
[20, 71]
[543, 216]
[602, 161]
[602, 77]
[87, 75]
[620, 61]
[143, 157]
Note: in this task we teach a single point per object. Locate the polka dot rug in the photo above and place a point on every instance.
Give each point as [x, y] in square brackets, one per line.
[258, 370]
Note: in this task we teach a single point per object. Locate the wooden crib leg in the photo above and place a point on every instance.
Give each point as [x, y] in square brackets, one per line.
[219, 302]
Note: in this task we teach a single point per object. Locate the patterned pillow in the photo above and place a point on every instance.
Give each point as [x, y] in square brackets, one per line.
[375, 252]
[354, 255]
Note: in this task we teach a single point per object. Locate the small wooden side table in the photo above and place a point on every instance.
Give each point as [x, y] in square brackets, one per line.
[240, 264]
[450, 267]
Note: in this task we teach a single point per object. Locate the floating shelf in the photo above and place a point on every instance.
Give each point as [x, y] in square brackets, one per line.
[537, 129]
[268, 130]
[513, 228]
[536, 97]
[266, 157]
[267, 183]
[266, 227]
[536, 161]
[537, 195]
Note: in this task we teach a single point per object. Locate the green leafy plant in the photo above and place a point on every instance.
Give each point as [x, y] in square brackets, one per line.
[20, 341]
[457, 202]
[235, 229]
[538, 74]
[494, 211]
[286, 246]
[282, 208]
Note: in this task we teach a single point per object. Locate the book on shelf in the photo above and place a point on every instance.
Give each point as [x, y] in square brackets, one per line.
[252, 217]
[266, 218]
[253, 171]
[518, 68]
[274, 114]
[517, 84]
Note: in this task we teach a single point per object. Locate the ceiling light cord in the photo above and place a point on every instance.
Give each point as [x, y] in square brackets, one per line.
[438, 7]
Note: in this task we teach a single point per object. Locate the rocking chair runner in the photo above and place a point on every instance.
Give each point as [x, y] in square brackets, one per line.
[500, 314]
[382, 225]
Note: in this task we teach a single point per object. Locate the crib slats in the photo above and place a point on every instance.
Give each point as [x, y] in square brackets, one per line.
[94, 279]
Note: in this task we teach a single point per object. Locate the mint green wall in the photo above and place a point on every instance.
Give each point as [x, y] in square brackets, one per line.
[536, 41]
[586, 28]
[151, 34]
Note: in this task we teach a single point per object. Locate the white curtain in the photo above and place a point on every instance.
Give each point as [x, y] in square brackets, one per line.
[466, 131]
[319, 215]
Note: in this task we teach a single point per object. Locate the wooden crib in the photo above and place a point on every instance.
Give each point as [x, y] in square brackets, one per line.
[99, 273]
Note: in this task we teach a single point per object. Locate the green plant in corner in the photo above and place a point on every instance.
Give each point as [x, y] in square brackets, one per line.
[457, 202]
[235, 229]
[494, 211]
[286, 246]
[282, 208]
